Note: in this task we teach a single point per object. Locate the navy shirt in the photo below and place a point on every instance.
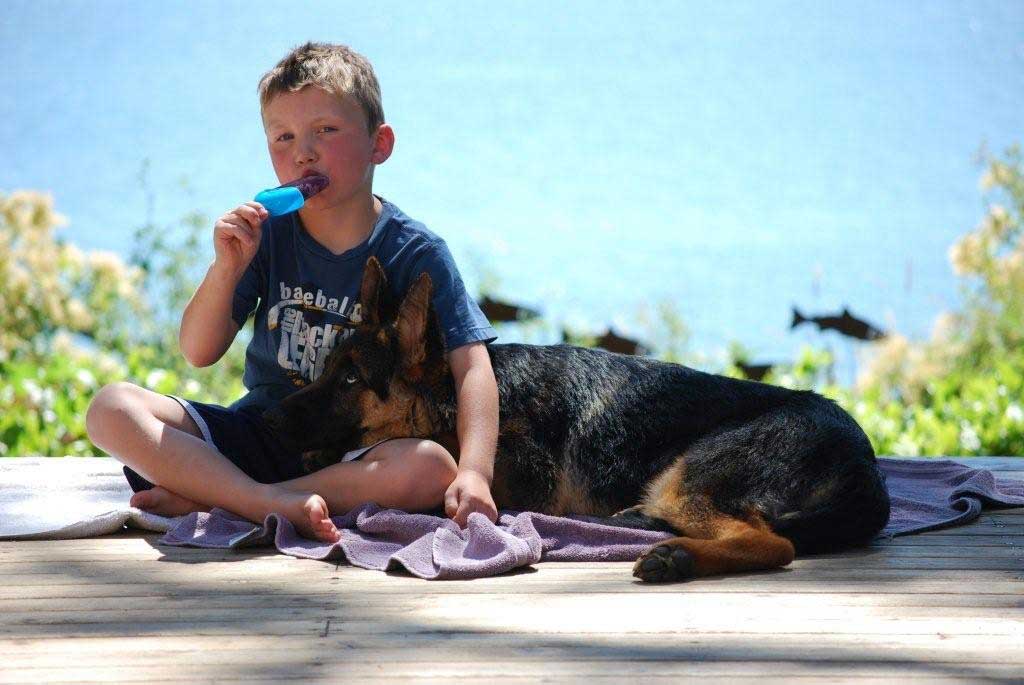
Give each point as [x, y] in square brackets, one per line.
[306, 298]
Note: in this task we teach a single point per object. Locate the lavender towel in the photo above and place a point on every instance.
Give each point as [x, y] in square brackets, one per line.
[932, 494]
[925, 495]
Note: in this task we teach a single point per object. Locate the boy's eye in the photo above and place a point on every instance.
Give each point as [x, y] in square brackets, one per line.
[288, 136]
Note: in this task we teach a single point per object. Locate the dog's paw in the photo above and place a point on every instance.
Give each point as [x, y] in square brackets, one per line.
[664, 564]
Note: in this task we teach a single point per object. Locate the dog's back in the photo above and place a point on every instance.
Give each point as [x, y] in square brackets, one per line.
[603, 426]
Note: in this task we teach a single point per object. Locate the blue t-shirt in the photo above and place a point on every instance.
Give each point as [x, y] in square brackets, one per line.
[306, 298]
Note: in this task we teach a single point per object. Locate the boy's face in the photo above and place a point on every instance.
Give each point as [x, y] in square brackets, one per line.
[313, 131]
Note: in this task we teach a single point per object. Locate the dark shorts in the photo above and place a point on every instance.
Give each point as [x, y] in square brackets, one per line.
[246, 440]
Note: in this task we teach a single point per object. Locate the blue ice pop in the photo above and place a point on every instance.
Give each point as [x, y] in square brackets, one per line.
[292, 195]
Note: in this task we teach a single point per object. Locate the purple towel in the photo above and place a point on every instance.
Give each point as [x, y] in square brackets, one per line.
[925, 495]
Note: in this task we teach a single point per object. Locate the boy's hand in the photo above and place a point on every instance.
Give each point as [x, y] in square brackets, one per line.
[469, 492]
[236, 237]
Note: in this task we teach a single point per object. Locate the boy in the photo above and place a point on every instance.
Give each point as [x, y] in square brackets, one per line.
[322, 114]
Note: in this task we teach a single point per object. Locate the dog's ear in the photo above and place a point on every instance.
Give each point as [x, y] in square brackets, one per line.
[372, 292]
[412, 326]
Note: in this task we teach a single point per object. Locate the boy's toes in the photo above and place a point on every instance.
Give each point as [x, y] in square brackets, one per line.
[142, 499]
[320, 522]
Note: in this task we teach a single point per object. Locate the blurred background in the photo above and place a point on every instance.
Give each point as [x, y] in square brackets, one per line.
[694, 178]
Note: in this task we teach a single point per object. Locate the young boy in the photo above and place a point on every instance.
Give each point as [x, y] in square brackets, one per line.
[322, 114]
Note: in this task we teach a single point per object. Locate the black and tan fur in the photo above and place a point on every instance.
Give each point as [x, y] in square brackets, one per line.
[747, 474]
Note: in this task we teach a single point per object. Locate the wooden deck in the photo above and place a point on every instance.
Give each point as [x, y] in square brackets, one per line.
[943, 606]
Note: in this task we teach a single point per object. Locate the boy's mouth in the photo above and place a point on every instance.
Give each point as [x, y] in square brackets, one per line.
[310, 183]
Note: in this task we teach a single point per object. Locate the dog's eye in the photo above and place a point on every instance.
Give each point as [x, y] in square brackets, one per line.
[352, 377]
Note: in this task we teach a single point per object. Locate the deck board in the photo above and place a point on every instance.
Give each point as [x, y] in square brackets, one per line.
[943, 606]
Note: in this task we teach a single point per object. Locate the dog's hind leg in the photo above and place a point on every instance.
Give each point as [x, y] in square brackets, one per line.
[735, 545]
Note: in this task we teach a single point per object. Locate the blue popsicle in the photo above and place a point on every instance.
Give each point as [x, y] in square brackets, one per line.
[292, 195]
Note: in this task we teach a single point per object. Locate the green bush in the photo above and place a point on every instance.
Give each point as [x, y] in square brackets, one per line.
[73, 321]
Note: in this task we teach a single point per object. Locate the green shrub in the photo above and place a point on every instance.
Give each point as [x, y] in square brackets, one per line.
[73, 321]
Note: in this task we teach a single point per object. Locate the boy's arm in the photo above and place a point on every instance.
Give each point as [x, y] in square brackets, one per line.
[477, 426]
[207, 327]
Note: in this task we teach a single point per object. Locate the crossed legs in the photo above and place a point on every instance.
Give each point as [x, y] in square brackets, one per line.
[155, 436]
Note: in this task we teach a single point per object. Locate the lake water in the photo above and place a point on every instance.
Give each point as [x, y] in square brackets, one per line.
[587, 159]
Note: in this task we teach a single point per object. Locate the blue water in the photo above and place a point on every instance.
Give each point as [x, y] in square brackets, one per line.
[591, 159]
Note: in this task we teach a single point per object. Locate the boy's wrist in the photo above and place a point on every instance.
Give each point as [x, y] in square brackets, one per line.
[468, 469]
[224, 274]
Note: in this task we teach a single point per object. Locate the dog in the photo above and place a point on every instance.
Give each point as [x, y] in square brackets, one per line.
[748, 475]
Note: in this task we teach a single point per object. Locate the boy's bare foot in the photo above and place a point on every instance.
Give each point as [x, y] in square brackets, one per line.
[163, 502]
[308, 513]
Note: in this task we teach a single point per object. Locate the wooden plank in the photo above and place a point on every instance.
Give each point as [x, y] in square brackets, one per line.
[922, 588]
[280, 665]
[541, 578]
[906, 604]
[754, 606]
[472, 647]
[658, 673]
[924, 591]
[615, 576]
[664, 617]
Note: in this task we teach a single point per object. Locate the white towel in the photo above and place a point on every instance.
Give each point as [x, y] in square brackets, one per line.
[59, 498]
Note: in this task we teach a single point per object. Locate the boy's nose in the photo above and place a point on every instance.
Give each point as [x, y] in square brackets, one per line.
[305, 157]
[305, 153]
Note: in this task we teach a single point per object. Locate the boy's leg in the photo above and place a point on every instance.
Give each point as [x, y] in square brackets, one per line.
[408, 474]
[154, 435]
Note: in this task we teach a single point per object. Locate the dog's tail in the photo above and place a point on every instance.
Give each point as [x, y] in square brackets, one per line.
[852, 520]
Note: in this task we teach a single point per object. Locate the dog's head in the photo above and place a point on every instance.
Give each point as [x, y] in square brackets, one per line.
[374, 382]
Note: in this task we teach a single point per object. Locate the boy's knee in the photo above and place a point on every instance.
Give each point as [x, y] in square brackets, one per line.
[111, 402]
[434, 467]
[435, 462]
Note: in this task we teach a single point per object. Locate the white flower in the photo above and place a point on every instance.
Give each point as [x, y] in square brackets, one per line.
[85, 377]
[969, 439]
[35, 393]
[1015, 413]
[155, 377]
[906, 447]
[192, 387]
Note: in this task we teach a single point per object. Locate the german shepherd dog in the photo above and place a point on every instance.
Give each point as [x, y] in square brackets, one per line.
[747, 474]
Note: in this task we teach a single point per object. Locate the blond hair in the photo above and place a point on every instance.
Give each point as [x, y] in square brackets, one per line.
[338, 69]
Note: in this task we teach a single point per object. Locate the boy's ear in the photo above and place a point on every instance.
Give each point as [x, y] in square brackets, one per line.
[412, 326]
[383, 144]
[371, 291]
